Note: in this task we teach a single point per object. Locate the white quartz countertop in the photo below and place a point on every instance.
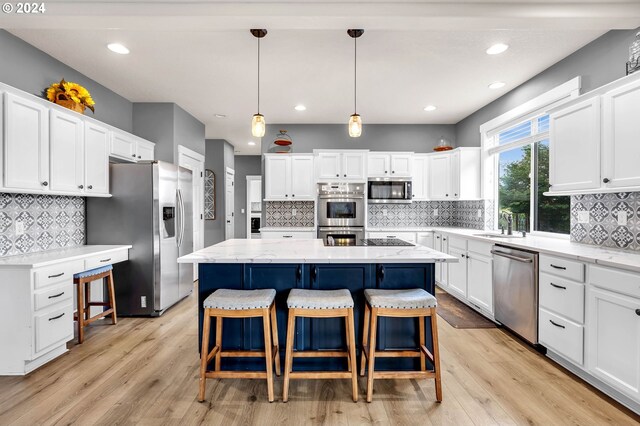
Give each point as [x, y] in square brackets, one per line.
[555, 246]
[50, 257]
[310, 251]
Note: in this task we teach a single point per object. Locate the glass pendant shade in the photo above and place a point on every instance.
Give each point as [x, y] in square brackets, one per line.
[355, 126]
[258, 125]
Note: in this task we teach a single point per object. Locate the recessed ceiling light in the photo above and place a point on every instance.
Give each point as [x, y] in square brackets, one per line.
[430, 108]
[496, 49]
[497, 84]
[118, 48]
[300, 108]
[251, 143]
[219, 116]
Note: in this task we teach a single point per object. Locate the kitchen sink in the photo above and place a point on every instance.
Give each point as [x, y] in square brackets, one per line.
[492, 235]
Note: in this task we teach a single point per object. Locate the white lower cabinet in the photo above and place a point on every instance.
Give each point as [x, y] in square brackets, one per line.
[561, 335]
[441, 244]
[294, 235]
[457, 283]
[480, 281]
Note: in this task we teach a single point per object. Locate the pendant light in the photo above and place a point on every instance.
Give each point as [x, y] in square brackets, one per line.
[355, 122]
[258, 125]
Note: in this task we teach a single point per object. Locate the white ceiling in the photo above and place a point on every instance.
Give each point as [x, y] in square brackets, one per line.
[206, 60]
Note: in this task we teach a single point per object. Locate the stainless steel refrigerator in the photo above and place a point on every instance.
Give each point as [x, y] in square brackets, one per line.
[150, 208]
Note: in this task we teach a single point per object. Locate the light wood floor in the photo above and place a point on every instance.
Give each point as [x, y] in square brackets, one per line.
[145, 371]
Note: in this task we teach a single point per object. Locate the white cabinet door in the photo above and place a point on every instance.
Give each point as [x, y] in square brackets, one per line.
[419, 174]
[378, 165]
[440, 177]
[479, 283]
[96, 159]
[458, 273]
[613, 328]
[66, 145]
[328, 166]
[455, 175]
[353, 166]
[302, 187]
[620, 147]
[425, 239]
[277, 173]
[123, 146]
[441, 244]
[145, 151]
[574, 151]
[26, 144]
[401, 165]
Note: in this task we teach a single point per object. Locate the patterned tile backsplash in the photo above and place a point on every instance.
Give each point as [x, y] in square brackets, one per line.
[603, 228]
[463, 214]
[49, 222]
[280, 213]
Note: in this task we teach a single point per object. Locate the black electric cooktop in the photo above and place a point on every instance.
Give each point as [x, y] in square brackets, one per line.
[385, 242]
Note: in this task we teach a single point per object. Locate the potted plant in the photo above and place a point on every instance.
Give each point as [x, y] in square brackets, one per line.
[70, 95]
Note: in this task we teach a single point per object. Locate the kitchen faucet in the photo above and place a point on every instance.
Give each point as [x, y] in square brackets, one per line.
[509, 218]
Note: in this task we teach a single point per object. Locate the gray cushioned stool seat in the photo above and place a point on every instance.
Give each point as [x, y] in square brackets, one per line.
[415, 298]
[240, 299]
[319, 299]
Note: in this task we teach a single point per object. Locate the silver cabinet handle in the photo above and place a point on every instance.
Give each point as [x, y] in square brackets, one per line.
[512, 257]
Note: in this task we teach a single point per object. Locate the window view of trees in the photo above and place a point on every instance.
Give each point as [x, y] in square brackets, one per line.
[516, 182]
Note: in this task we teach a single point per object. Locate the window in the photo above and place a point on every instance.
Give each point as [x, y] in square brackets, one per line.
[522, 162]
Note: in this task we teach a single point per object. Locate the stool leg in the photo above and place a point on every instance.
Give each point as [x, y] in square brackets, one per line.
[348, 339]
[288, 362]
[266, 322]
[87, 300]
[372, 352]
[274, 333]
[204, 354]
[80, 297]
[218, 343]
[423, 358]
[112, 298]
[365, 337]
[436, 354]
[353, 367]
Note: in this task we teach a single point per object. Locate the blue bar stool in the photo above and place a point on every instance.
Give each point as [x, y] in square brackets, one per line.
[83, 316]
[225, 303]
[416, 303]
[321, 304]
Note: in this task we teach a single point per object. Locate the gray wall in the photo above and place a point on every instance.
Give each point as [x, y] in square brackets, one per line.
[168, 126]
[218, 156]
[599, 62]
[376, 137]
[245, 165]
[25, 67]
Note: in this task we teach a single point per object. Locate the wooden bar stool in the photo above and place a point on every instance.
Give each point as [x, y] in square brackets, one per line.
[84, 303]
[321, 304]
[400, 303]
[224, 303]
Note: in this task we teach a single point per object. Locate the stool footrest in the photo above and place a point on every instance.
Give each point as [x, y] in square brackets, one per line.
[236, 374]
[320, 375]
[393, 354]
[97, 304]
[404, 374]
[98, 316]
[321, 354]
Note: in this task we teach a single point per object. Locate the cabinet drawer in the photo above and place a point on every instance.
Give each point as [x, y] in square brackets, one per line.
[457, 242]
[105, 259]
[562, 267]
[52, 295]
[615, 280]
[561, 335]
[295, 235]
[479, 247]
[562, 296]
[61, 272]
[405, 236]
[56, 326]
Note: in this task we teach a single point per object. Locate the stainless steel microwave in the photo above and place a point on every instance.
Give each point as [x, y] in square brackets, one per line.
[389, 190]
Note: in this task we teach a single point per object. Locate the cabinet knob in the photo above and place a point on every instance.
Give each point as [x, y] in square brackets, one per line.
[446, 195]
[337, 174]
[90, 187]
[293, 195]
[286, 195]
[455, 195]
[45, 183]
[462, 255]
[606, 180]
[393, 171]
[638, 312]
[133, 155]
[139, 156]
[345, 175]
[386, 171]
[81, 186]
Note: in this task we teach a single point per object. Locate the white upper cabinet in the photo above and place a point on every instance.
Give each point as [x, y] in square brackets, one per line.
[385, 164]
[454, 175]
[145, 150]
[289, 177]
[26, 144]
[574, 156]
[96, 159]
[420, 177]
[123, 146]
[439, 177]
[340, 165]
[66, 144]
[620, 144]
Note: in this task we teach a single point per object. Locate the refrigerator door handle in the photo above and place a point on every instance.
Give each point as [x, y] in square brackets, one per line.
[182, 210]
[177, 219]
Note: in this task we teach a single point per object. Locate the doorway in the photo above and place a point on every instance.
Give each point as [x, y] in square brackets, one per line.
[229, 203]
[193, 161]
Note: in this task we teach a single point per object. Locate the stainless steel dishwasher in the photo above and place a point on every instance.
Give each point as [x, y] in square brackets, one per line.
[515, 289]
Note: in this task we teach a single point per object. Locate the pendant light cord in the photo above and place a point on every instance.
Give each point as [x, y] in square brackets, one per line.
[355, 74]
[258, 75]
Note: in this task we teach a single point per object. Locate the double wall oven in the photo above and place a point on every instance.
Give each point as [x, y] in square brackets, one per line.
[341, 213]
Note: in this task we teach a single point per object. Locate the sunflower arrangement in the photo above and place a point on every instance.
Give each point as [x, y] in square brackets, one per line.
[70, 94]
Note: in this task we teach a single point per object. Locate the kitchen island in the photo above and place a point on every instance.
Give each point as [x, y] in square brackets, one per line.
[308, 264]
